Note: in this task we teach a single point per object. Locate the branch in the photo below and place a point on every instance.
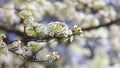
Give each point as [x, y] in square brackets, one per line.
[18, 54]
[102, 25]
[31, 58]
[28, 38]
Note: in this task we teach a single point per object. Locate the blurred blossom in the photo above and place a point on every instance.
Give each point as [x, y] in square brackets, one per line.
[61, 18]
[90, 21]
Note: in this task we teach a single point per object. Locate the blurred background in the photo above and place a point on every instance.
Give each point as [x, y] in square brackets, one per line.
[97, 47]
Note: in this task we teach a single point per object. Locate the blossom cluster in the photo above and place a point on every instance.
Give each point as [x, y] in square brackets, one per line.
[52, 29]
[3, 47]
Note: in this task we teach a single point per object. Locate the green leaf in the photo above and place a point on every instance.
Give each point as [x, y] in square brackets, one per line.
[58, 27]
[25, 14]
[77, 30]
[30, 31]
[33, 46]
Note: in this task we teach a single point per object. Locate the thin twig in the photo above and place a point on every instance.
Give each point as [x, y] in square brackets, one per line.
[102, 25]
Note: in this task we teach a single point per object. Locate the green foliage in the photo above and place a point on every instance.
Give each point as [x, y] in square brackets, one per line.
[77, 30]
[30, 31]
[25, 14]
[32, 45]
